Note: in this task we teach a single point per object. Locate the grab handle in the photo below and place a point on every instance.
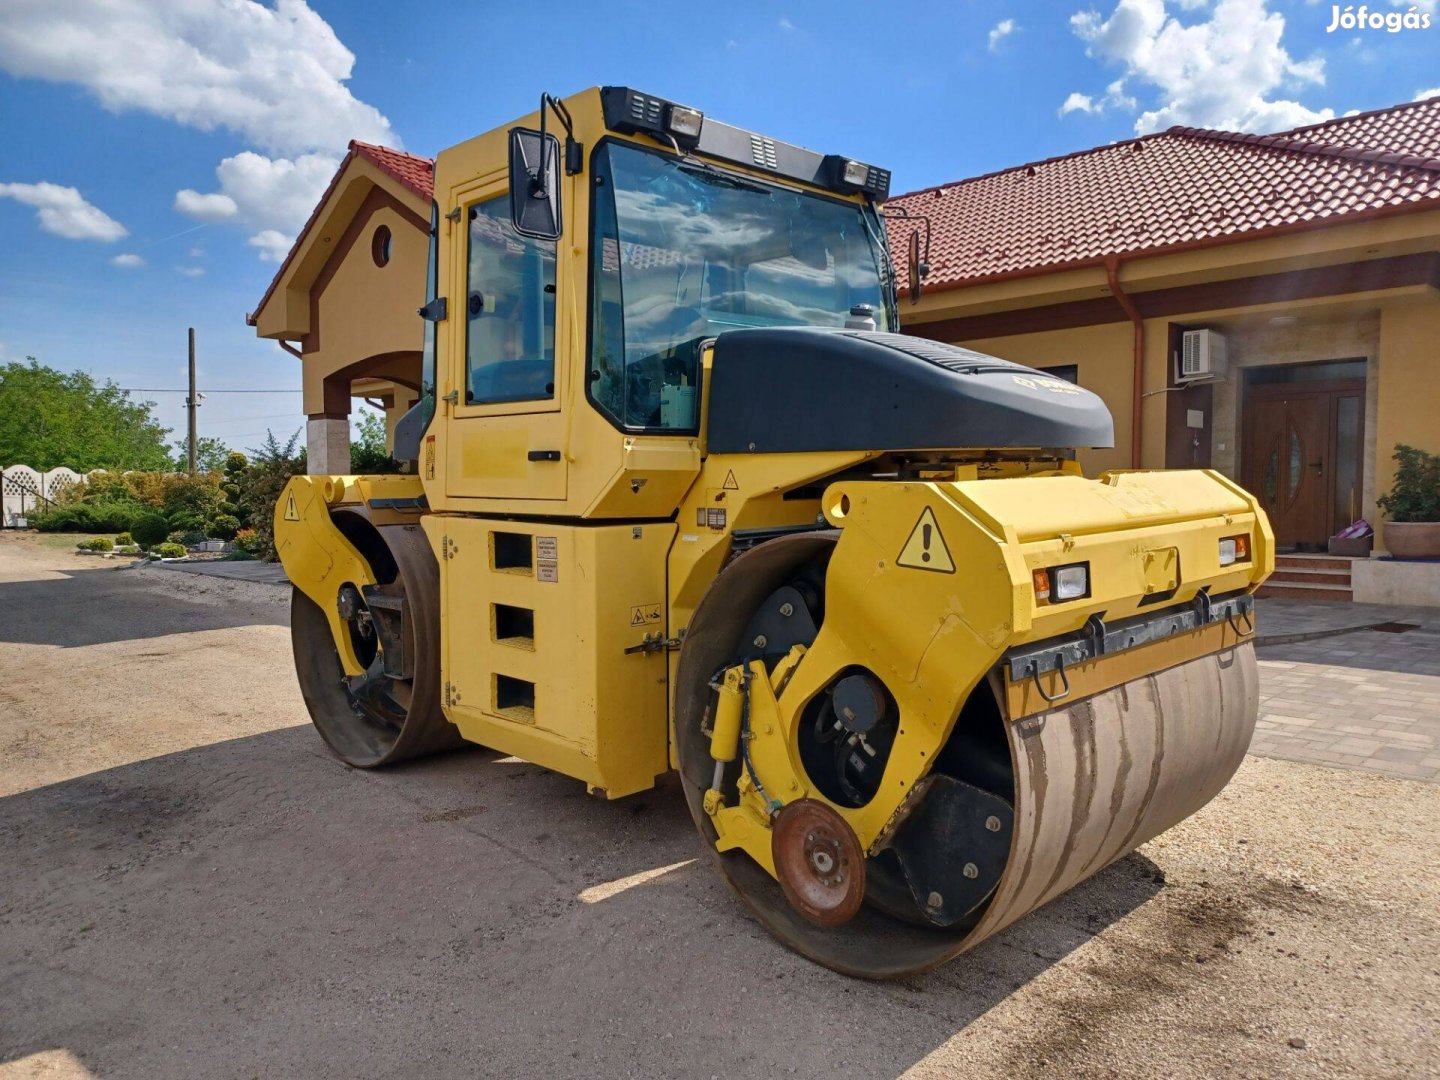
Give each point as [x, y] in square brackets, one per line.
[1064, 681]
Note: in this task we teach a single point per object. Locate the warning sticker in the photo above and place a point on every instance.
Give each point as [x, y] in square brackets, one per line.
[547, 559]
[291, 514]
[645, 615]
[926, 550]
[730, 482]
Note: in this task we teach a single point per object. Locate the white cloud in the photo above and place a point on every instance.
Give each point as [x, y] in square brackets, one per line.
[1221, 72]
[272, 195]
[127, 261]
[1115, 98]
[785, 24]
[1003, 29]
[190, 271]
[276, 193]
[273, 244]
[64, 212]
[208, 208]
[197, 253]
[275, 75]
[1426, 95]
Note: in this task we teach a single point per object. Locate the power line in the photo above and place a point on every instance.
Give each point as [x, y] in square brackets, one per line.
[165, 390]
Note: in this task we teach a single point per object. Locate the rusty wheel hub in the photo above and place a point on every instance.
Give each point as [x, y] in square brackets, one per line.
[819, 862]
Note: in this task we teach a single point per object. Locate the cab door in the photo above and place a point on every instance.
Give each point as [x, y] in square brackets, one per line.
[506, 438]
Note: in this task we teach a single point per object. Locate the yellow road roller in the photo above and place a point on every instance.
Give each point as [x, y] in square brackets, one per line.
[682, 497]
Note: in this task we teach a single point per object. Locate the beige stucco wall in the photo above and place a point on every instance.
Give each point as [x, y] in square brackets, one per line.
[1408, 409]
[366, 309]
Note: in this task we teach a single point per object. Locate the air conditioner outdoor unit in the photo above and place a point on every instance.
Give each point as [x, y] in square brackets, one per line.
[1202, 356]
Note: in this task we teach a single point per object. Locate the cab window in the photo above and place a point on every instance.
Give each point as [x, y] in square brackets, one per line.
[509, 310]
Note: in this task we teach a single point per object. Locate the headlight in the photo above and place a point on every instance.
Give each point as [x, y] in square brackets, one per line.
[1071, 582]
[1234, 549]
[855, 172]
[685, 122]
[1062, 583]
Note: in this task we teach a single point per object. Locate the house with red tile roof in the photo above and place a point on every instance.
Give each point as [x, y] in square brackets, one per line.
[344, 299]
[1266, 305]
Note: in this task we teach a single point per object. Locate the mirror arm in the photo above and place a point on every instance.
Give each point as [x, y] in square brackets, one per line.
[574, 151]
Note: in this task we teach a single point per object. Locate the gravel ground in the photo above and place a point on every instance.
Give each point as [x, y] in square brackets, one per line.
[193, 886]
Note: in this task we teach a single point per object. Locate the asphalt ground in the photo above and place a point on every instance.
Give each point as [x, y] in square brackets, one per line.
[193, 886]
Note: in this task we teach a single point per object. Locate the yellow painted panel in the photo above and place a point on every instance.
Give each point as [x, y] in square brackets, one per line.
[571, 699]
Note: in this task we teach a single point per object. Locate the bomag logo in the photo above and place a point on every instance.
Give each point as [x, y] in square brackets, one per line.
[1046, 382]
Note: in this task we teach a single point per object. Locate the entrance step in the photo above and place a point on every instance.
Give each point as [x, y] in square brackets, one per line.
[1304, 575]
[1291, 590]
[1313, 561]
[1309, 577]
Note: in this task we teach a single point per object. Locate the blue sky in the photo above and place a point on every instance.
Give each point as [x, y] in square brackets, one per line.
[159, 155]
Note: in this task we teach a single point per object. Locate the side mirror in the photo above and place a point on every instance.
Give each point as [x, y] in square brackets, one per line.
[535, 184]
[916, 270]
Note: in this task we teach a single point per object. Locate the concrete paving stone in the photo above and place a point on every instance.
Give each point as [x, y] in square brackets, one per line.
[1396, 753]
[1403, 768]
[1395, 735]
[1280, 718]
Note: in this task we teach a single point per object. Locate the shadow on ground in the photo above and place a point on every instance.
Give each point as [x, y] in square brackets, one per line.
[255, 908]
[93, 607]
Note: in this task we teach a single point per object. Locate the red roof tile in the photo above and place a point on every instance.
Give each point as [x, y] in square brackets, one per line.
[416, 173]
[1185, 187]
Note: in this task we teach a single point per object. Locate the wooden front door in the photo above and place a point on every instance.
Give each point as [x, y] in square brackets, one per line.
[1299, 455]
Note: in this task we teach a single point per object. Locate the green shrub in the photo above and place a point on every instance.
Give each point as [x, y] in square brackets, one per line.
[99, 517]
[96, 543]
[199, 496]
[238, 556]
[250, 542]
[123, 540]
[224, 527]
[169, 551]
[149, 529]
[186, 537]
[1416, 494]
[187, 521]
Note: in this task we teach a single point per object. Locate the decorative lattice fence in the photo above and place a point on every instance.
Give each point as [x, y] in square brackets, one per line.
[24, 490]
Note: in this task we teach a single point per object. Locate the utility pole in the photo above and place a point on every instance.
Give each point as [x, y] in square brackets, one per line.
[190, 402]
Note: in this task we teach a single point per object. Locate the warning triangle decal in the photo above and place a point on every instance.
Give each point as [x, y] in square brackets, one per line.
[291, 514]
[730, 482]
[926, 550]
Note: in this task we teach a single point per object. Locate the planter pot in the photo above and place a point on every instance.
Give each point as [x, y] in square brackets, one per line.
[1413, 539]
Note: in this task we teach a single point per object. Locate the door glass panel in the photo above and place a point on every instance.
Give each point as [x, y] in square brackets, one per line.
[509, 312]
[1347, 461]
[1272, 477]
[1295, 463]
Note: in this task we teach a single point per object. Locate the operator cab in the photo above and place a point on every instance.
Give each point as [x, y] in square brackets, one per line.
[573, 292]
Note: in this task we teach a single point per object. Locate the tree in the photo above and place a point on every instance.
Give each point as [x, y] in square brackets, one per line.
[210, 454]
[270, 469]
[368, 455]
[50, 418]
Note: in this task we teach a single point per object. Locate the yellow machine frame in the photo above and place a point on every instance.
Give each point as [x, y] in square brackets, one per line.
[604, 554]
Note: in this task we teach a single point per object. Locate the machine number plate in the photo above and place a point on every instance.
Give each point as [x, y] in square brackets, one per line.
[547, 559]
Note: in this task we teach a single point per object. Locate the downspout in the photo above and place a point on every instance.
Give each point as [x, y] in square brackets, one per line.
[1137, 388]
[291, 349]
